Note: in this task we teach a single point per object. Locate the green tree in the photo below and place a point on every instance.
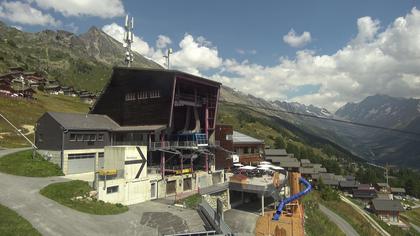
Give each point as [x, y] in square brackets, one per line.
[279, 142]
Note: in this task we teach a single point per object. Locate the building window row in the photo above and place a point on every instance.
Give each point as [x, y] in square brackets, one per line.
[142, 95]
[86, 137]
[81, 156]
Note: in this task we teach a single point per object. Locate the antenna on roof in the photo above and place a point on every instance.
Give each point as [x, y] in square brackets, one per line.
[128, 39]
[168, 53]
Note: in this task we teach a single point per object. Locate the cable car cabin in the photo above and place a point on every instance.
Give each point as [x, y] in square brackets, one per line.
[191, 139]
[183, 106]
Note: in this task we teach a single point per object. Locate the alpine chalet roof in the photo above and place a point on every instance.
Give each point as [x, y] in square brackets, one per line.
[275, 152]
[240, 138]
[80, 121]
[174, 73]
[397, 190]
[387, 205]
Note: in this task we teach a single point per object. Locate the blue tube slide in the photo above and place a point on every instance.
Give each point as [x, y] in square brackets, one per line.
[292, 198]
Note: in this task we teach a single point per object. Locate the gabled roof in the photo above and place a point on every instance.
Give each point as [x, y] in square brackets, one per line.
[275, 152]
[382, 185]
[364, 193]
[79, 121]
[387, 205]
[397, 190]
[305, 161]
[349, 184]
[240, 138]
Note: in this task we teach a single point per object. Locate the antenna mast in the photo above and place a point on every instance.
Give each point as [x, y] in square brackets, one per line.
[128, 39]
[168, 54]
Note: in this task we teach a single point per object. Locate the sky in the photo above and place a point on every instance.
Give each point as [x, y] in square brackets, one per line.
[325, 53]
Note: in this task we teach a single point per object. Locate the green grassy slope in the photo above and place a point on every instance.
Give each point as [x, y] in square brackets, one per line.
[12, 224]
[23, 164]
[25, 113]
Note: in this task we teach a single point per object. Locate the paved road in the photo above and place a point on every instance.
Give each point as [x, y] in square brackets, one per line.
[50, 218]
[365, 215]
[340, 222]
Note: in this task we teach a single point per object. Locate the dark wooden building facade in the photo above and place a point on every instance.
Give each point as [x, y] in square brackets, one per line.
[184, 104]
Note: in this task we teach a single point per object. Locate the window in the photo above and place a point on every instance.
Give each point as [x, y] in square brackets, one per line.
[113, 189]
[81, 156]
[142, 95]
[92, 137]
[246, 151]
[154, 94]
[100, 154]
[86, 137]
[79, 137]
[229, 137]
[100, 137]
[130, 96]
[72, 137]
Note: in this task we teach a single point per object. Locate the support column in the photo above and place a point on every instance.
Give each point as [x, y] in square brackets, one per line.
[206, 130]
[162, 156]
[262, 205]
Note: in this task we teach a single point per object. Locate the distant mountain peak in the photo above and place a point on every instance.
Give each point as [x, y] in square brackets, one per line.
[381, 109]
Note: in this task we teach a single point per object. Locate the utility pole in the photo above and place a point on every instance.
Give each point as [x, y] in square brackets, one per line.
[167, 56]
[128, 39]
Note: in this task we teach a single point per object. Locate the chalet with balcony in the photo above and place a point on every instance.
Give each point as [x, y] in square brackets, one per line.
[387, 210]
[248, 149]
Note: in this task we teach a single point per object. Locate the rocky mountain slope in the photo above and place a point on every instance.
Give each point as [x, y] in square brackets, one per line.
[83, 61]
[380, 145]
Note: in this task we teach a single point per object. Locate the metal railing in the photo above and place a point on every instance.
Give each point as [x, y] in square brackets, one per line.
[214, 219]
[175, 145]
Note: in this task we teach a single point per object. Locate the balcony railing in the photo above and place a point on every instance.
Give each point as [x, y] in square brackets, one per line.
[176, 145]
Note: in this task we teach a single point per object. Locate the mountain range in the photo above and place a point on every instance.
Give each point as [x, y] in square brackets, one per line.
[85, 61]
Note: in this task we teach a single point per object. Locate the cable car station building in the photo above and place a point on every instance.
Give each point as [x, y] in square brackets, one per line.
[170, 115]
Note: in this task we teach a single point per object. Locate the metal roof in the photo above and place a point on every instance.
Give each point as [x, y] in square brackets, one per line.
[387, 205]
[364, 193]
[240, 138]
[80, 121]
[397, 190]
[275, 152]
[349, 184]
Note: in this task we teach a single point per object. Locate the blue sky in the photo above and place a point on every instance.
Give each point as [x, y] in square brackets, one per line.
[244, 36]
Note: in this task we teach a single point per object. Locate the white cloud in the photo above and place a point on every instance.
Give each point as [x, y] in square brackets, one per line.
[163, 41]
[24, 13]
[195, 55]
[117, 32]
[297, 41]
[367, 29]
[99, 8]
[373, 62]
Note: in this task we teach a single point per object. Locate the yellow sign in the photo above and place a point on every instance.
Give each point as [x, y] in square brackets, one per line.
[107, 172]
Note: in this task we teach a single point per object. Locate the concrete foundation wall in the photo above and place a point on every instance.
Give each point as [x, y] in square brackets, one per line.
[52, 156]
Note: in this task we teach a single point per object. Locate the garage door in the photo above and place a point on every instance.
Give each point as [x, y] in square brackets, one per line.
[81, 163]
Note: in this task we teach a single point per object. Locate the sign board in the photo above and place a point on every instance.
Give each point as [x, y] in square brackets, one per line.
[235, 158]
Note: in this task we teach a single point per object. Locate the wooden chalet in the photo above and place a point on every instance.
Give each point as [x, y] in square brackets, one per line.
[224, 135]
[173, 111]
